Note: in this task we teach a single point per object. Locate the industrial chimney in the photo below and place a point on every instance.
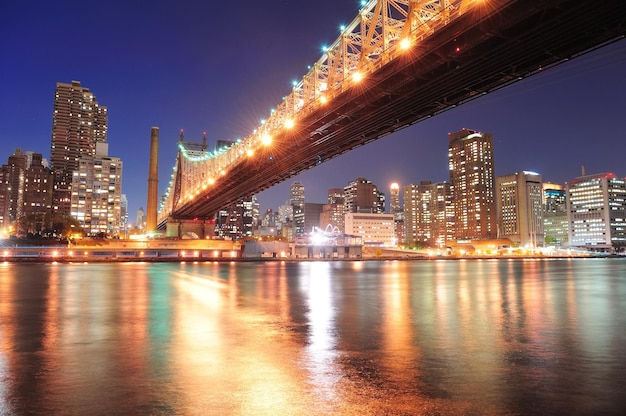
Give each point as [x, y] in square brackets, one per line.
[153, 182]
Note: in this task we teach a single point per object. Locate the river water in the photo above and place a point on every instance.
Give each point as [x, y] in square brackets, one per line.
[490, 337]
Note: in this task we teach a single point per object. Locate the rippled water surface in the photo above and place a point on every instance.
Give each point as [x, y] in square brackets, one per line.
[317, 338]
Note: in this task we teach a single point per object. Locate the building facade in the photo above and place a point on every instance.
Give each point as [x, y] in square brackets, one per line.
[96, 194]
[520, 209]
[471, 166]
[596, 212]
[555, 225]
[361, 195]
[374, 229]
[333, 213]
[25, 194]
[79, 122]
[428, 215]
[296, 200]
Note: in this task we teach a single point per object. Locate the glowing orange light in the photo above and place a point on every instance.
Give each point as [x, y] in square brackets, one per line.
[323, 99]
[289, 123]
[266, 139]
[405, 43]
[250, 152]
[357, 76]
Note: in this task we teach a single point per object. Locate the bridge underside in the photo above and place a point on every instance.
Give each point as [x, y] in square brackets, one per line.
[515, 40]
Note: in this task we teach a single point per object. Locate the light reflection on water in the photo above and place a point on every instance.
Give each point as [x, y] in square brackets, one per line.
[395, 337]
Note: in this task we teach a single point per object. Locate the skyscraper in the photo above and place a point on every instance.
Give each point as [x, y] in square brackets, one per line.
[78, 123]
[520, 209]
[470, 156]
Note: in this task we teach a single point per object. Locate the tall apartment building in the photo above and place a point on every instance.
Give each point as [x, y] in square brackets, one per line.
[520, 209]
[96, 193]
[361, 195]
[428, 214]
[596, 211]
[471, 165]
[78, 123]
[555, 223]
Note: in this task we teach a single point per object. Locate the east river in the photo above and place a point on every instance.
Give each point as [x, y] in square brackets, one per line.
[441, 337]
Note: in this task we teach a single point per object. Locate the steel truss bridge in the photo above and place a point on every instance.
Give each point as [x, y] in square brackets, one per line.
[398, 62]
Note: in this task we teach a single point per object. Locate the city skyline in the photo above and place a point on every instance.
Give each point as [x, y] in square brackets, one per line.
[163, 70]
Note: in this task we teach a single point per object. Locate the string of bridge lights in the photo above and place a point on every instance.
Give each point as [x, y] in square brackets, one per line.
[268, 128]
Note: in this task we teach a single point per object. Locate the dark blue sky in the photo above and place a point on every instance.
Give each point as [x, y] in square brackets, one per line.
[220, 67]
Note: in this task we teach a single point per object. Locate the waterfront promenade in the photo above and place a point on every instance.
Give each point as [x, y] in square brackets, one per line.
[95, 250]
[86, 250]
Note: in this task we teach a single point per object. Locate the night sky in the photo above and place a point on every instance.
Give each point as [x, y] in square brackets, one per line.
[219, 67]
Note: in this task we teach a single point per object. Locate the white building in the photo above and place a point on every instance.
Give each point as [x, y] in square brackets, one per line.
[520, 208]
[96, 193]
[374, 229]
[596, 212]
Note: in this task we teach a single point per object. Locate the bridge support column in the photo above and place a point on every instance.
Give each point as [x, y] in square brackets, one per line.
[190, 228]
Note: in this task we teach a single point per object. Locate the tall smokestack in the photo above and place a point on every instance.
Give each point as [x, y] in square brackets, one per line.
[153, 182]
[584, 171]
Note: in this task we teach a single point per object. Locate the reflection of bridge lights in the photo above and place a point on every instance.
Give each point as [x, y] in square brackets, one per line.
[266, 139]
[55, 253]
[289, 123]
[405, 43]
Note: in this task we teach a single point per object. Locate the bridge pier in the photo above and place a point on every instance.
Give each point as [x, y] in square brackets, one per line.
[201, 229]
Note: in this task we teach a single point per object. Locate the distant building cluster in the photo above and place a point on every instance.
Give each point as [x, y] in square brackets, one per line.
[473, 209]
[80, 190]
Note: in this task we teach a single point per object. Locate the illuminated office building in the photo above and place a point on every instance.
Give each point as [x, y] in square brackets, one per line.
[520, 209]
[596, 212]
[555, 225]
[470, 156]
